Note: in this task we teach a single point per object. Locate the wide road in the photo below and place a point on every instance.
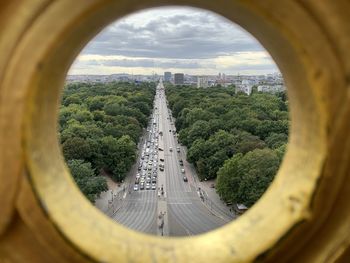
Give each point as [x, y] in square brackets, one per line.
[184, 213]
[187, 213]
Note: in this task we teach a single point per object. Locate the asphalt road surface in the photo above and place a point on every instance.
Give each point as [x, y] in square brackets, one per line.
[174, 207]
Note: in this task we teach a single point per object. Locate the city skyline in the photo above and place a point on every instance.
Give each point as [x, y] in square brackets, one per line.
[176, 39]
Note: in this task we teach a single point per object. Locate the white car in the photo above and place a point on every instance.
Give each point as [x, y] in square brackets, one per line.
[136, 187]
[183, 171]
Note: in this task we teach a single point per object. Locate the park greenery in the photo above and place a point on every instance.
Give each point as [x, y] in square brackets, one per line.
[236, 138]
[99, 128]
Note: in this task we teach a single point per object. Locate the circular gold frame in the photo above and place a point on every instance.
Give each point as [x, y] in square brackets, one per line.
[303, 217]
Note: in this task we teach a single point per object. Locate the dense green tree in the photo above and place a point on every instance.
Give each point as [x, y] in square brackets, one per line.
[228, 180]
[246, 142]
[199, 149]
[84, 176]
[216, 124]
[76, 148]
[244, 178]
[100, 124]
[96, 103]
[197, 114]
[199, 130]
[72, 99]
[118, 155]
[275, 140]
[74, 129]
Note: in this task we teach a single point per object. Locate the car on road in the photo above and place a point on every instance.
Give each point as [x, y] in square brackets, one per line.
[171, 149]
[136, 187]
[178, 149]
[181, 162]
[185, 179]
[183, 171]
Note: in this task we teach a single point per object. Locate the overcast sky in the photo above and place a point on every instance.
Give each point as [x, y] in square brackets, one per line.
[187, 40]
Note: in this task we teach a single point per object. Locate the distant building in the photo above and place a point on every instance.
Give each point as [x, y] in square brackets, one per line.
[246, 86]
[179, 78]
[202, 82]
[167, 76]
[271, 88]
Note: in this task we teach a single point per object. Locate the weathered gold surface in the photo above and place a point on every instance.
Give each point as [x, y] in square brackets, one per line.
[305, 215]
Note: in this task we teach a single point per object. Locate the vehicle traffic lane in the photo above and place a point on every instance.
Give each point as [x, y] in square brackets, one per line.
[138, 211]
[184, 204]
[138, 208]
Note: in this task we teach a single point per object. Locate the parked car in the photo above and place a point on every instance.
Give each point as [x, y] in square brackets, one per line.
[185, 179]
[171, 149]
[183, 171]
[178, 149]
[181, 162]
[136, 187]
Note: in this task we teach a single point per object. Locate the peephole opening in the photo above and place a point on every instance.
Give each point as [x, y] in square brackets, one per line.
[174, 121]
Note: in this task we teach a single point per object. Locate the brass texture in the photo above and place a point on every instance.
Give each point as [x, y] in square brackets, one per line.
[303, 217]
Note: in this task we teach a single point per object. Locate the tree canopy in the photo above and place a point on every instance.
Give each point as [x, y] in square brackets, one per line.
[99, 126]
[218, 126]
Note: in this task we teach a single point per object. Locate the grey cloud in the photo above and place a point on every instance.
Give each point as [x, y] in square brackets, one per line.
[149, 63]
[256, 67]
[198, 35]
